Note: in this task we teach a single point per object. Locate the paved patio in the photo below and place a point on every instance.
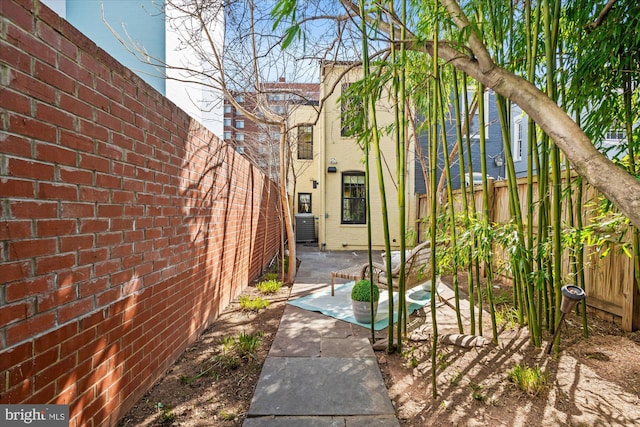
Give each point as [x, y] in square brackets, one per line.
[322, 371]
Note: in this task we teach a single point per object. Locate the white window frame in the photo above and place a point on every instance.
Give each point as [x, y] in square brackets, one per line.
[517, 140]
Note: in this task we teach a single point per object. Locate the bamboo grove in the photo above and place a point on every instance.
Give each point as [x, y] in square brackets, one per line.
[584, 57]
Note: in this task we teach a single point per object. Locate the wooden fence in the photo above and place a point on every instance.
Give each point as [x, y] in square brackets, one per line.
[609, 281]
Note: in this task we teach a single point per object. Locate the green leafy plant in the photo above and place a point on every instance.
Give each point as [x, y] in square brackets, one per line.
[247, 344]
[227, 344]
[224, 360]
[269, 286]
[477, 392]
[529, 380]
[507, 317]
[442, 361]
[409, 355]
[271, 276]
[248, 303]
[361, 291]
[166, 413]
[455, 380]
[227, 416]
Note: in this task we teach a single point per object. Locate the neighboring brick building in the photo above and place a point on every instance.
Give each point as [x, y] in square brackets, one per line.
[260, 143]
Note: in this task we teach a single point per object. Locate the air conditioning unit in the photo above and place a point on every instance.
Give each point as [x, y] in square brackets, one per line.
[305, 228]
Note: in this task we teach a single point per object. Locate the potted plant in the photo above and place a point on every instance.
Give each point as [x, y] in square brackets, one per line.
[361, 301]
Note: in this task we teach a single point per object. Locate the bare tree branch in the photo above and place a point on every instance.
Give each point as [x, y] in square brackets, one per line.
[602, 16]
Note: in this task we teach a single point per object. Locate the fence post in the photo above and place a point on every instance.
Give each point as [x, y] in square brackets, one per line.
[630, 305]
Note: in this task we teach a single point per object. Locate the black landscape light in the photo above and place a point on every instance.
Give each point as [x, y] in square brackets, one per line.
[571, 295]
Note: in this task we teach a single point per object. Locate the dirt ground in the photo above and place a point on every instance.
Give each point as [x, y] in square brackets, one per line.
[591, 382]
[200, 389]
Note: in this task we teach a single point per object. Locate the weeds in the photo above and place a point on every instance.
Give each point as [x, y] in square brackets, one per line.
[244, 346]
[507, 317]
[442, 361]
[248, 303]
[232, 351]
[411, 358]
[247, 344]
[477, 392]
[225, 361]
[455, 380]
[166, 416]
[271, 276]
[529, 380]
[227, 416]
[267, 287]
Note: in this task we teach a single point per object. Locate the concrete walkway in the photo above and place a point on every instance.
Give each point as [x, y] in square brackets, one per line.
[320, 371]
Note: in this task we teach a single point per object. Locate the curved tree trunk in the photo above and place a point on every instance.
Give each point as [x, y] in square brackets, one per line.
[614, 182]
[286, 208]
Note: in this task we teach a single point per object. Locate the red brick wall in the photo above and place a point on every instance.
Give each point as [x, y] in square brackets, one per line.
[125, 227]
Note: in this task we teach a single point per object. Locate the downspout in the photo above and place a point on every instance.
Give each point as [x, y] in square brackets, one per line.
[322, 178]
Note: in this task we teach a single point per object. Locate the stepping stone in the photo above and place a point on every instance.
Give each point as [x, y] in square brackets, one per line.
[324, 386]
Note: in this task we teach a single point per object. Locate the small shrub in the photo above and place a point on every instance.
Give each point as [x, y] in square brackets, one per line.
[248, 303]
[271, 276]
[529, 380]
[269, 286]
[361, 291]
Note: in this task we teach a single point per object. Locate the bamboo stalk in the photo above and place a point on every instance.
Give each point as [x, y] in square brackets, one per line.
[433, 158]
[452, 212]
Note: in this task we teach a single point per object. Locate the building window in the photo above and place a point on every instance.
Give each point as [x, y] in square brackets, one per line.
[239, 136]
[227, 122]
[239, 99]
[240, 149]
[615, 136]
[354, 200]
[487, 108]
[227, 109]
[305, 143]
[304, 202]
[239, 124]
[517, 140]
[352, 113]
[227, 135]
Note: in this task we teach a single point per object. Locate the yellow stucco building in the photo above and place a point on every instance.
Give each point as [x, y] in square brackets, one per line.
[327, 184]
